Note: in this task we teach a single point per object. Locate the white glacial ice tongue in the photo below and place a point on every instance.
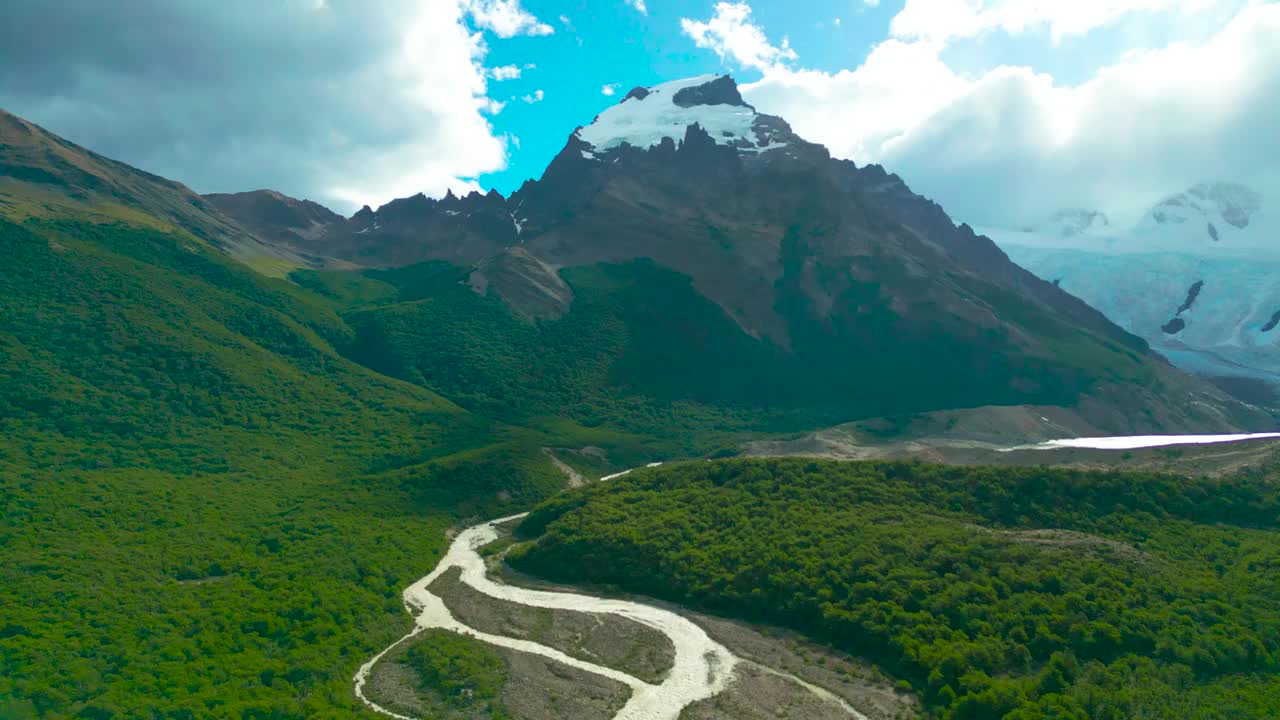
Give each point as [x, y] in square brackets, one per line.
[644, 122]
[1135, 442]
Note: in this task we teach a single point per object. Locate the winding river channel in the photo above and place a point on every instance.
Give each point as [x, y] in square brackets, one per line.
[702, 667]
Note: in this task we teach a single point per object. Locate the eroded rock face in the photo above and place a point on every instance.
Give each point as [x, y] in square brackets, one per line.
[275, 217]
[721, 91]
[689, 175]
[525, 283]
[639, 93]
[461, 230]
[1193, 292]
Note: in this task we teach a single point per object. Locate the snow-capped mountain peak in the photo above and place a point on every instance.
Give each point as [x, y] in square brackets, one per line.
[1198, 277]
[1229, 203]
[647, 115]
[1218, 218]
[1211, 219]
[1072, 222]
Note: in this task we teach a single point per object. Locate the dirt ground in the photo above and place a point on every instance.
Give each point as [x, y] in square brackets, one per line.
[755, 694]
[543, 689]
[851, 442]
[857, 682]
[614, 642]
[537, 689]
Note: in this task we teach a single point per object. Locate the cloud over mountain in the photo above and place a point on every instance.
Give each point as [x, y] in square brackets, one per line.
[338, 101]
[1013, 142]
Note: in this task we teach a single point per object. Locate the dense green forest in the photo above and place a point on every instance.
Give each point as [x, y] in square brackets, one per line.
[1013, 593]
[640, 350]
[207, 511]
[464, 673]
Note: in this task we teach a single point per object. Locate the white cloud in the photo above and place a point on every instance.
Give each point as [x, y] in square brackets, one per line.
[1009, 144]
[639, 6]
[505, 72]
[344, 103]
[856, 112]
[1150, 125]
[535, 97]
[609, 90]
[731, 33]
[943, 20]
[437, 73]
[505, 18]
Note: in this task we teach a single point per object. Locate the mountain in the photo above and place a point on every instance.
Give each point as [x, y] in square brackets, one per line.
[1219, 218]
[276, 218]
[205, 510]
[1198, 277]
[223, 455]
[686, 259]
[42, 174]
[1210, 219]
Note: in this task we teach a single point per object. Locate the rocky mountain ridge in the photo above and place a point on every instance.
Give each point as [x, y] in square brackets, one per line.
[832, 270]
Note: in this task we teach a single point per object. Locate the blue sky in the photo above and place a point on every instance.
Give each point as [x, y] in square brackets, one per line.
[1002, 110]
[1005, 110]
[611, 43]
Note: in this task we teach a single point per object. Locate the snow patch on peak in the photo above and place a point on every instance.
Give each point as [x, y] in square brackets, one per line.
[1210, 219]
[1217, 218]
[1229, 203]
[1082, 220]
[643, 119]
[1073, 228]
[1072, 222]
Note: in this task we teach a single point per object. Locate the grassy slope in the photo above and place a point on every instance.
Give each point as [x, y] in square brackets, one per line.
[206, 511]
[1153, 596]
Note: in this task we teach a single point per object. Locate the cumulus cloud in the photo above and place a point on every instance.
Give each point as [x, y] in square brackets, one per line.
[506, 18]
[732, 34]
[857, 112]
[942, 20]
[342, 102]
[609, 90]
[534, 97]
[505, 72]
[1153, 124]
[639, 6]
[1010, 145]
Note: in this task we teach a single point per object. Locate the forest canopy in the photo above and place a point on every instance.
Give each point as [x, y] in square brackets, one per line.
[993, 592]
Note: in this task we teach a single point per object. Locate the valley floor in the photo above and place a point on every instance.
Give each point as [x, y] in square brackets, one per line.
[705, 668]
[643, 659]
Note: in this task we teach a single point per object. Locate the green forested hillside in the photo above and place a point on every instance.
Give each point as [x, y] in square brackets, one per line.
[207, 512]
[995, 593]
[641, 350]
